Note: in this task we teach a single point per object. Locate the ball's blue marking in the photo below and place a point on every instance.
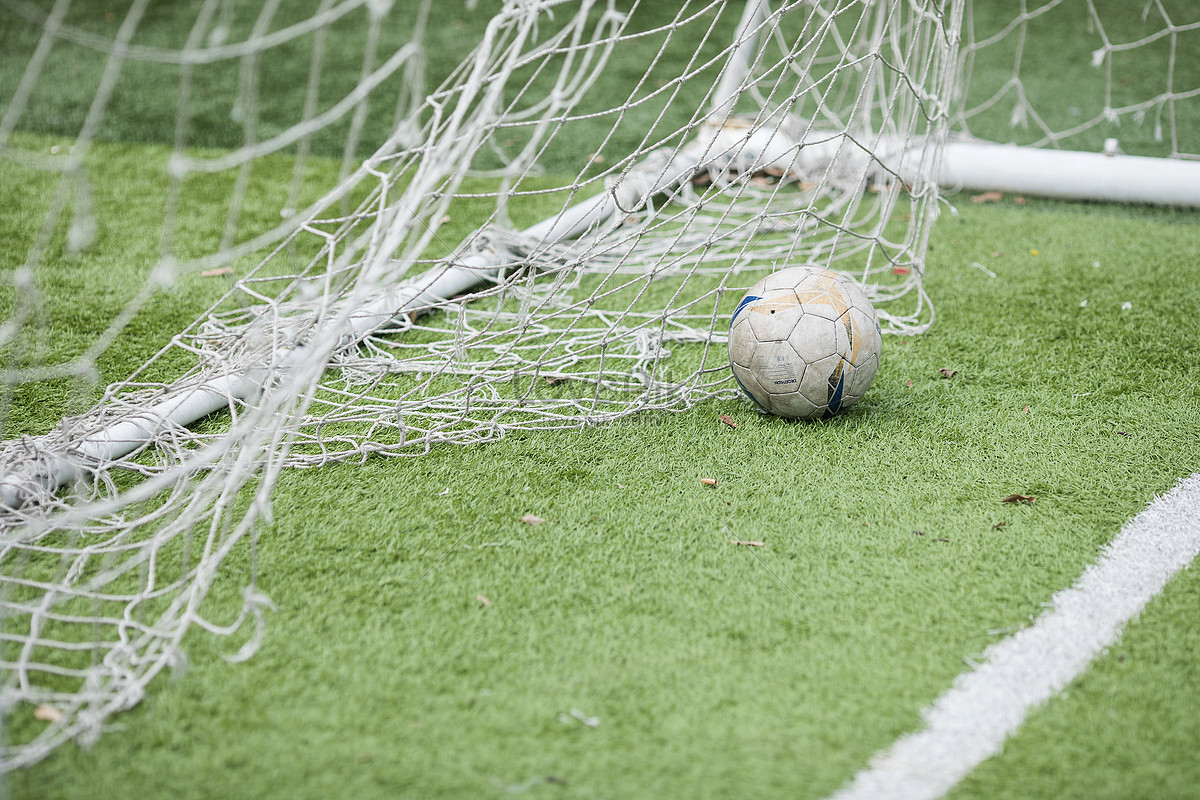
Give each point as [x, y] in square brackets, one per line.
[835, 399]
[747, 300]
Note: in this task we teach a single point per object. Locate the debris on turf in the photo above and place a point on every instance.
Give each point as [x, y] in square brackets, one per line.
[946, 372]
[525, 786]
[47, 713]
[483, 601]
[709, 481]
[579, 716]
[728, 420]
[532, 519]
[744, 543]
[216, 273]
[1019, 498]
[987, 197]
[983, 269]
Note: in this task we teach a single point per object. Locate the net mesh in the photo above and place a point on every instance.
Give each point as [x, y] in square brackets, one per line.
[550, 233]
[1127, 64]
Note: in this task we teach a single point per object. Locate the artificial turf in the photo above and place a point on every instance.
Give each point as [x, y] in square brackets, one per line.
[426, 642]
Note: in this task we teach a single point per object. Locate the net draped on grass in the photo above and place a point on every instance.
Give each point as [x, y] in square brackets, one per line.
[712, 666]
[597, 183]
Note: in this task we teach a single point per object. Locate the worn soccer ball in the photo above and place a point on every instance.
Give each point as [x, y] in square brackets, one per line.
[804, 343]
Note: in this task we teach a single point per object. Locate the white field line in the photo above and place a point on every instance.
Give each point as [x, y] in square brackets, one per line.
[970, 722]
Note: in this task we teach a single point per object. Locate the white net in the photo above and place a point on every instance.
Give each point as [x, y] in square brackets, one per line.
[1073, 74]
[551, 236]
[624, 174]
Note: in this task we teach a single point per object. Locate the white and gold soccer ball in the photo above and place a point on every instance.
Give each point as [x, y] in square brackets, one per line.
[804, 343]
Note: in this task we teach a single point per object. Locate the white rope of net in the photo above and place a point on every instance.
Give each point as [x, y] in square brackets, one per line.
[1155, 38]
[122, 520]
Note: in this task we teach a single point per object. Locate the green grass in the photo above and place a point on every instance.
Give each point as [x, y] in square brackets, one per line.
[77, 302]
[717, 669]
[1065, 90]
[1141, 702]
[147, 95]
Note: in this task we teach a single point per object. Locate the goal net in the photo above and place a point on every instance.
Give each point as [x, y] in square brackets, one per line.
[549, 232]
[1093, 100]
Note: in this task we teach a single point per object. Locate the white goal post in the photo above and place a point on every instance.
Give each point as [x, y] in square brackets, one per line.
[1111, 177]
[628, 169]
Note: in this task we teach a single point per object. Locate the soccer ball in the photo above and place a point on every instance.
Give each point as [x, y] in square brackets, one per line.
[804, 343]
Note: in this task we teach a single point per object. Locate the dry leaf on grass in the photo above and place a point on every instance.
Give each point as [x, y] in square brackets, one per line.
[532, 519]
[483, 601]
[744, 543]
[1019, 498]
[216, 273]
[47, 713]
[728, 420]
[946, 372]
[987, 197]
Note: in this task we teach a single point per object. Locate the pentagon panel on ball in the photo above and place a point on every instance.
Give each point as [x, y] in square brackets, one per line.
[804, 343]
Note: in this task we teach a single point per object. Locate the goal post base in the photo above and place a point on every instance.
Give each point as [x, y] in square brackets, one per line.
[1071, 175]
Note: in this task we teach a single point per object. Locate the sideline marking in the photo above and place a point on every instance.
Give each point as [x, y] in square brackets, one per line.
[971, 720]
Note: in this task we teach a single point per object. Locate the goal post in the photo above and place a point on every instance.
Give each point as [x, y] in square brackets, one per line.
[1111, 176]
